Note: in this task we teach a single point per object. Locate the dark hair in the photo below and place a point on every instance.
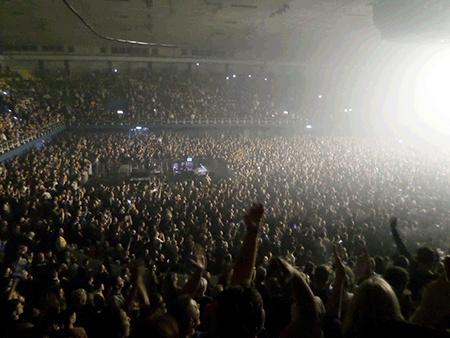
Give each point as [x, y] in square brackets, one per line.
[426, 255]
[160, 326]
[397, 277]
[240, 312]
[66, 315]
[322, 274]
[401, 261]
[178, 310]
[109, 323]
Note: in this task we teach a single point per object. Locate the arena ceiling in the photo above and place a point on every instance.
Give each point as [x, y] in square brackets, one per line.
[316, 31]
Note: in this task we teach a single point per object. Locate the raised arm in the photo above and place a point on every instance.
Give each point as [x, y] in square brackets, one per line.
[398, 241]
[243, 269]
[191, 286]
[307, 323]
[335, 301]
[137, 286]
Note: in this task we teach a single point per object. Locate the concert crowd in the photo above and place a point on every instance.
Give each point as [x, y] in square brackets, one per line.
[307, 236]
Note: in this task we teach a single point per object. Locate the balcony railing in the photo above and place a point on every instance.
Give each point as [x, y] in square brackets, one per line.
[9, 145]
[235, 121]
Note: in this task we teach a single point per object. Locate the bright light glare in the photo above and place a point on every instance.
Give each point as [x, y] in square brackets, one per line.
[400, 141]
[120, 112]
[4, 93]
[345, 110]
[115, 70]
[249, 76]
[198, 64]
[265, 79]
[138, 128]
[228, 77]
[234, 75]
[432, 94]
[285, 112]
[320, 96]
[308, 126]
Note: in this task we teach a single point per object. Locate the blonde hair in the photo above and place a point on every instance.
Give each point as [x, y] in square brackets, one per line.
[373, 303]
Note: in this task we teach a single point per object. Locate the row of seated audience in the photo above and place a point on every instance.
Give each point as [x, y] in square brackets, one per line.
[29, 105]
[111, 259]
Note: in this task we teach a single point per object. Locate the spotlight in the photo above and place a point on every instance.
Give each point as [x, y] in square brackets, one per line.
[138, 128]
[308, 126]
[249, 76]
[265, 79]
[198, 64]
[120, 112]
[115, 70]
[234, 75]
[228, 77]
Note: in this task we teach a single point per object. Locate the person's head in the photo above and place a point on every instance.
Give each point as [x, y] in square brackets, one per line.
[11, 309]
[112, 322]
[157, 303]
[240, 313]
[427, 258]
[159, 326]
[117, 284]
[380, 265]
[397, 278]
[373, 303]
[78, 298]
[186, 312]
[202, 286]
[401, 261]
[68, 317]
[321, 276]
[309, 268]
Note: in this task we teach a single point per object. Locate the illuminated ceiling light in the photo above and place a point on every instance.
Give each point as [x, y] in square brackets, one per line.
[320, 96]
[345, 110]
[249, 76]
[228, 77]
[265, 79]
[308, 126]
[234, 75]
[198, 64]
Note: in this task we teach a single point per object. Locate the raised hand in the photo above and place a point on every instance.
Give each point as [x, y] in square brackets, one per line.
[253, 217]
[393, 222]
[199, 262]
[364, 268]
[340, 269]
